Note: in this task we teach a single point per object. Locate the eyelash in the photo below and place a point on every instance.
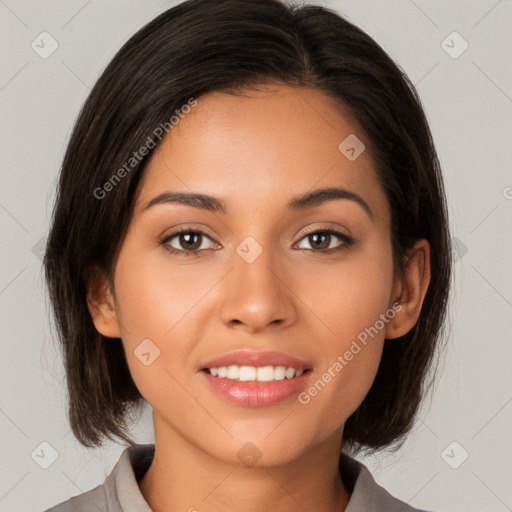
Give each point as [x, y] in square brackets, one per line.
[347, 241]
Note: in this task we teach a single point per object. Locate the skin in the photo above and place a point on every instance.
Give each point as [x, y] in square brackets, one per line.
[255, 152]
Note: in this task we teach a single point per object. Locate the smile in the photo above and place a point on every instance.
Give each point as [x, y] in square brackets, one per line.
[255, 379]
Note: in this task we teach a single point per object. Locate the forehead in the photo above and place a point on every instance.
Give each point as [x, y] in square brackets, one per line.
[262, 147]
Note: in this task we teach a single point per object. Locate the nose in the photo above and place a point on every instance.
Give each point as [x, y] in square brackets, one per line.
[257, 295]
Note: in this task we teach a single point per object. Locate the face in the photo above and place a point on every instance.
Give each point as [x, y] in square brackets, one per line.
[256, 284]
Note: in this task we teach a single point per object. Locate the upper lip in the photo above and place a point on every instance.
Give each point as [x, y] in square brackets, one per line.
[257, 359]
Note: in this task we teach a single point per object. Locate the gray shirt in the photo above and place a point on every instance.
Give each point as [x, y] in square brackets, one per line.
[120, 492]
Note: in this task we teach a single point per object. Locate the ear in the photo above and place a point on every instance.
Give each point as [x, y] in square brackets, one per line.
[409, 290]
[101, 304]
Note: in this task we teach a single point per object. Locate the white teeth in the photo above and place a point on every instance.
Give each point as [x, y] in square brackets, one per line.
[258, 374]
[265, 374]
[279, 372]
[290, 373]
[233, 372]
[247, 373]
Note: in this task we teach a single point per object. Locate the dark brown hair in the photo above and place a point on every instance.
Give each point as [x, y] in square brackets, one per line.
[200, 46]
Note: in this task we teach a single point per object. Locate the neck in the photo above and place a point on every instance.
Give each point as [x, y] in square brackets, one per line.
[184, 478]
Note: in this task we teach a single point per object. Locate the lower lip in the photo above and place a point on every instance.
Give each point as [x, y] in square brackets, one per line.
[256, 394]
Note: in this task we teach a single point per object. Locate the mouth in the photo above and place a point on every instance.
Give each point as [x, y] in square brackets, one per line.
[256, 379]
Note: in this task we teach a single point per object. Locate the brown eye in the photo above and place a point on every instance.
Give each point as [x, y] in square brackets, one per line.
[322, 241]
[318, 240]
[186, 242]
[191, 241]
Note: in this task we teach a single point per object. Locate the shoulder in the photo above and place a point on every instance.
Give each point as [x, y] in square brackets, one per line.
[366, 493]
[120, 489]
[92, 501]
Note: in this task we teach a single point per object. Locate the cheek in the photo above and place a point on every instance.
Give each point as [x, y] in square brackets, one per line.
[349, 366]
[157, 295]
[349, 297]
[152, 304]
[349, 300]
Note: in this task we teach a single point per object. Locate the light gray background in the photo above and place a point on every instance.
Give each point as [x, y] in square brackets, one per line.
[468, 101]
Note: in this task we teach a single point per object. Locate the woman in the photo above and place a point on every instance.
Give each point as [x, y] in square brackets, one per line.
[251, 235]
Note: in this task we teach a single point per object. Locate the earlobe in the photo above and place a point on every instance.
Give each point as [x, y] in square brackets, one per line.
[410, 290]
[101, 304]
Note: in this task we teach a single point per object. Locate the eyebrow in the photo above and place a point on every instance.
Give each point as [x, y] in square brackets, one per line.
[299, 203]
